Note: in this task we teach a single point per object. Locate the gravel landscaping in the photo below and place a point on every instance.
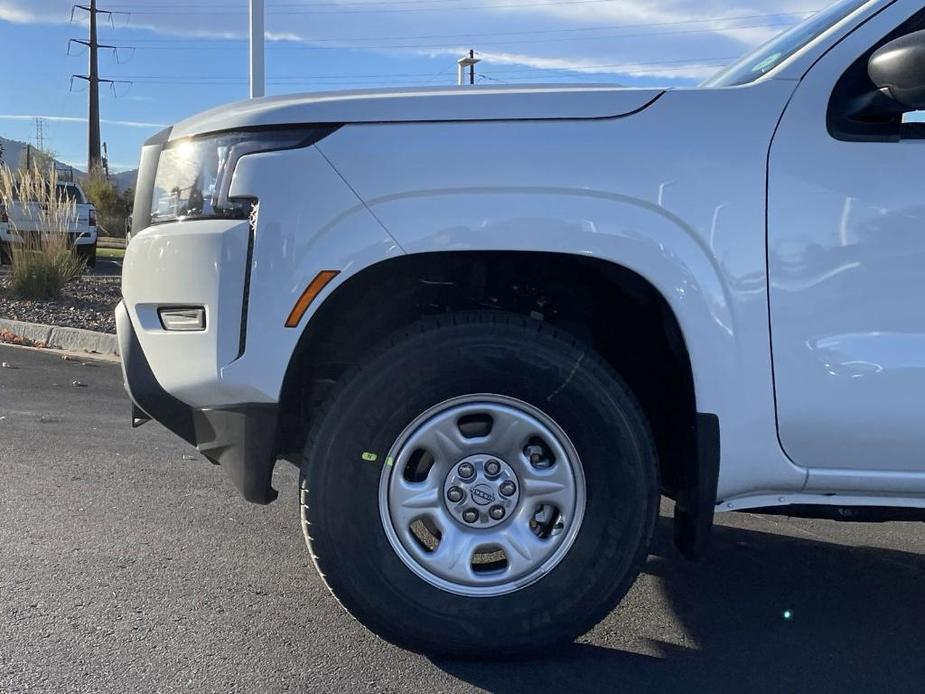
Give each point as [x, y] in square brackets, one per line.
[86, 303]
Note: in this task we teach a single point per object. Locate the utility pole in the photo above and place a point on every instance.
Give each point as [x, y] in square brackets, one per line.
[257, 65]
[93, 80]
[468, 61]
[93, 115]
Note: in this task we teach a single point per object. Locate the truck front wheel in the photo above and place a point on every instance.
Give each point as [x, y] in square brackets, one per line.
[88, 253]
[482, 486]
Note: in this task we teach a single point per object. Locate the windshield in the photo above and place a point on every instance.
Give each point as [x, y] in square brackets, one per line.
[778, 49]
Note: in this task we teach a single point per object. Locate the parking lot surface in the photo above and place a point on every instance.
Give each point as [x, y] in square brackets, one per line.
[128, 563]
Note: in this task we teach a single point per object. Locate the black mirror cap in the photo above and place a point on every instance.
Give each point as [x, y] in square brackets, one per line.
[898, 70]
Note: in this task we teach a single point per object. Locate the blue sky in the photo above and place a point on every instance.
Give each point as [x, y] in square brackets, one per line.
[178, 57]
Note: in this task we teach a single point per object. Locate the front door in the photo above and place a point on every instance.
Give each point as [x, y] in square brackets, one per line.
[846, 269]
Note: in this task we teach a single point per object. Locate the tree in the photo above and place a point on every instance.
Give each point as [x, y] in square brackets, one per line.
[112, 208]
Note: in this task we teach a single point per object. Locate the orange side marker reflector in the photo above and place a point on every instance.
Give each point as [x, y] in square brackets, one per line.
[311, 291]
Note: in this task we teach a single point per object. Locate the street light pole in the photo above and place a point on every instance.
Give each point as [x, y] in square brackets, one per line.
[257, 68]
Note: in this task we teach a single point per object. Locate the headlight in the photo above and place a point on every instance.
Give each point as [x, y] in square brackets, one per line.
[194, 174]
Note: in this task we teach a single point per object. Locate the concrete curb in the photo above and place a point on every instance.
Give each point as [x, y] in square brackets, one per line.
[72, 339]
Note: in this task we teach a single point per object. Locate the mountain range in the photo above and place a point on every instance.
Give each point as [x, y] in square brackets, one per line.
[14, 154]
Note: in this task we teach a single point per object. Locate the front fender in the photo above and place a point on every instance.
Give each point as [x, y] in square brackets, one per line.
[308, 220]
[721, 311]
[631, 233]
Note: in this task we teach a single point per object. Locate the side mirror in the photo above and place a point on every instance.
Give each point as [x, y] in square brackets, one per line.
[898, 70]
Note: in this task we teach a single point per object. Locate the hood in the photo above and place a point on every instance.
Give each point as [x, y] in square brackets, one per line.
[424, 104]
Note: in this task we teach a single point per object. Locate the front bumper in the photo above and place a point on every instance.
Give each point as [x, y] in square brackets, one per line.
[241, 438]
[220, 387]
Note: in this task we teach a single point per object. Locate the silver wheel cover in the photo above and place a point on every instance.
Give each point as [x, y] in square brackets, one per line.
[482, 495]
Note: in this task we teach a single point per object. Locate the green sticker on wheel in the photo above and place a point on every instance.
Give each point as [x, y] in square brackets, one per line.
[369, 457]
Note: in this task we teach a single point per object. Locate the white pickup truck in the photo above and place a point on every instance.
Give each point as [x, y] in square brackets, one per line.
[22, 218]
[494, 325]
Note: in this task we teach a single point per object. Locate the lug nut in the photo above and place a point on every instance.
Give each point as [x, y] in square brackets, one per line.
[534, 453]
[496, 512]
[470, 515]
[455, 494]
[492, 468]
[465, 470]
[508, 488]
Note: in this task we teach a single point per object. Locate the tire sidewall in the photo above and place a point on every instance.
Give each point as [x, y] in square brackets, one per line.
[559, 377]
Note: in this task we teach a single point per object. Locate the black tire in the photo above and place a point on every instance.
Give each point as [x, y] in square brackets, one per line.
[88, 253]
[461, 354]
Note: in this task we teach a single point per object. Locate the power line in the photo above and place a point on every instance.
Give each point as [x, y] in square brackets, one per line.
[531, 36]
[172, 8]
[515, 42]
[430, 82]
[114, 49]
[582, 71]
[480, 35]
[580, 68]
[294, 5]
[363, 7]
[94, 11]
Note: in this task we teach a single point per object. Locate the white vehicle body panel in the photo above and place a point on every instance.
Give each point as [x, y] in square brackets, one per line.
[423, 104]
[690, 224]
[844, 255]
[671, 185]
[846, 251]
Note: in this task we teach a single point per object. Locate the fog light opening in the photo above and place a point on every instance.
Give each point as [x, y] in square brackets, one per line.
[183, 319]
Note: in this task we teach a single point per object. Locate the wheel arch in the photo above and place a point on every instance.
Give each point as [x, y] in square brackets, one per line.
[591, 298]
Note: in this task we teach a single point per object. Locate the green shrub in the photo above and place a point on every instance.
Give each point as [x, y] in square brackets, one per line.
[42, 266]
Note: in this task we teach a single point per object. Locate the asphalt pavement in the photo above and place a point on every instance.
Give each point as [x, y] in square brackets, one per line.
[129, 564]
[108, 267]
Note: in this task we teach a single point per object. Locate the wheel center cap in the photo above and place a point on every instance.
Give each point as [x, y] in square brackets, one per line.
[481, 491]
[482, 494]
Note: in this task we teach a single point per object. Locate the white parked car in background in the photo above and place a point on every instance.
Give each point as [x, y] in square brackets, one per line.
[20, 219]
[492, 325]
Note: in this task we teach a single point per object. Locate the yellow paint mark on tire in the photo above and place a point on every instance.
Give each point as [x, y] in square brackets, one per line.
[369, 457]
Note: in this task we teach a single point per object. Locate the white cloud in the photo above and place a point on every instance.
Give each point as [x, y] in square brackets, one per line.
[591, 66]
[282, 36]
[13, 12]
